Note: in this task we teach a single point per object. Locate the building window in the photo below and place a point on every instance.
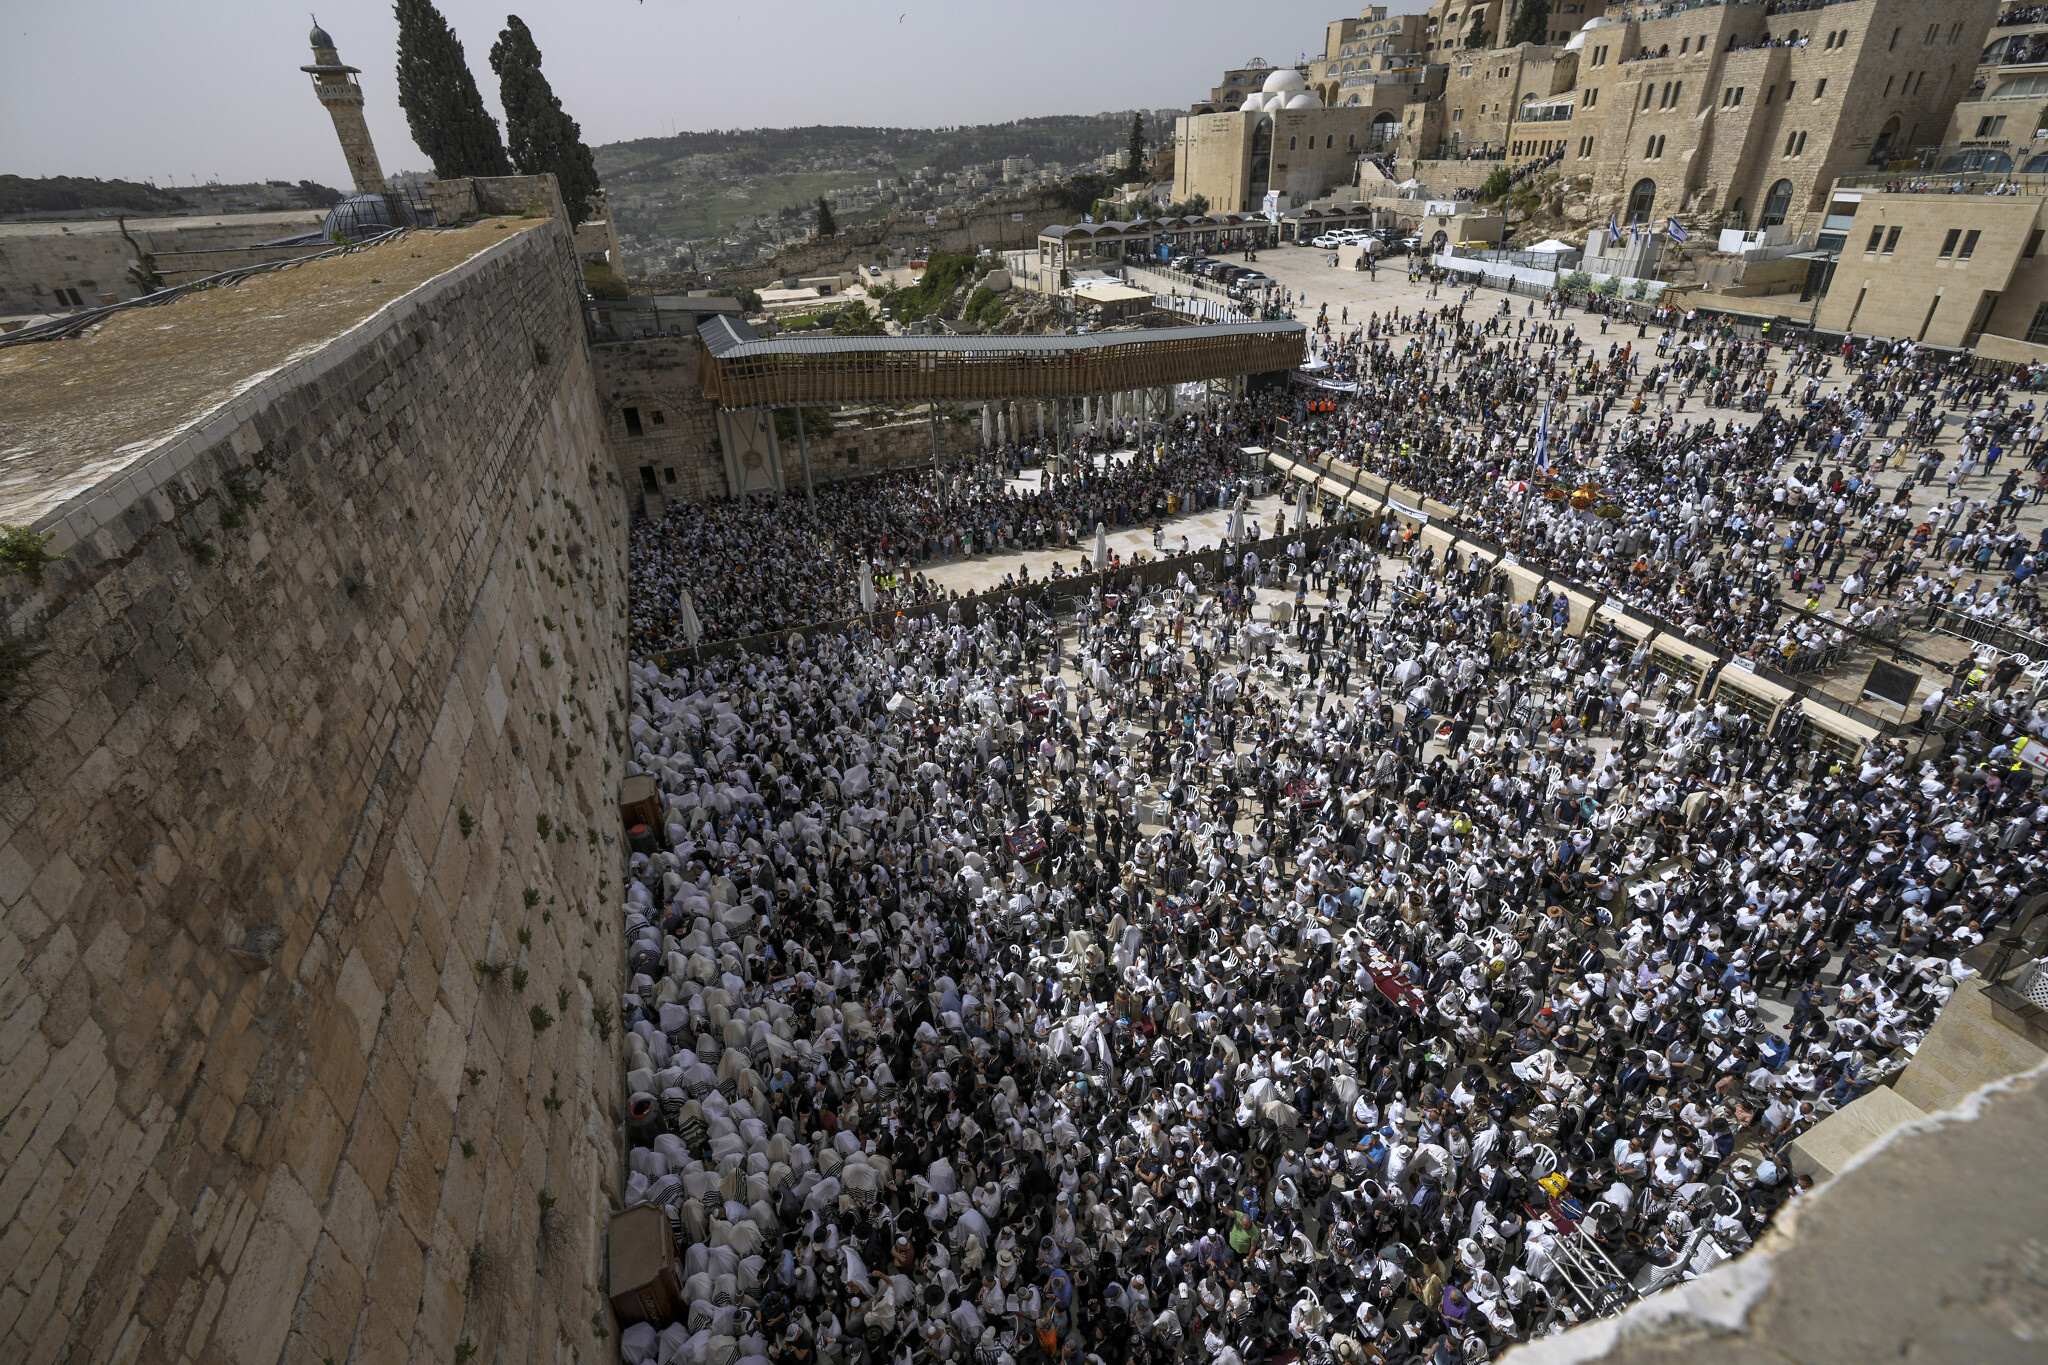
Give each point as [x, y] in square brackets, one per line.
[1290, 143]
[1891, 241]
[1790, 86]
[1777, 204]
[1933, 32]
[668, 474]
[1457, 115]
[633, 427]
[1948, 243]
[2038, 332]
[1820, 87]
[1684, 45]
[1893, 44]
[1592, 98]
[2033, 244]
[648, 483]
[1876, 239]
[1641, 200]
[1969, 245]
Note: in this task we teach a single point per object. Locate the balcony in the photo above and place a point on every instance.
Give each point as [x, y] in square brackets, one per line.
[339, 92]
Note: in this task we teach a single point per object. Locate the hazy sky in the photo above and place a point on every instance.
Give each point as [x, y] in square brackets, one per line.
[183, 91]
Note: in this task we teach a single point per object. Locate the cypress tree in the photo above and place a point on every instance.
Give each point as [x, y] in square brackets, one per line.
[1532, 24]
[827, 225]
[442, 107]
[1134, 155]
[544, 139]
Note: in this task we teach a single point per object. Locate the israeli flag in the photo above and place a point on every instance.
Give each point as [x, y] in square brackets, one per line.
[1543, 440]
[1613, 232]
[1674, 231]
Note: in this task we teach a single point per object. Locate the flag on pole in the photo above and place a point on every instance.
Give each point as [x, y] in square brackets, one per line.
[1543, 440]
[1674, 231]
[1613, 232]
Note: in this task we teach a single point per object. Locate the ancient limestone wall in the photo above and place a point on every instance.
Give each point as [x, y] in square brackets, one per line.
[302, 950]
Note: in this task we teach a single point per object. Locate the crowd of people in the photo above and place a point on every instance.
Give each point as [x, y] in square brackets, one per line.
[759, 567]
[1388, 979]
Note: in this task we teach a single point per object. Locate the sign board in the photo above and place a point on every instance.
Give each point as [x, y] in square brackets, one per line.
[931, 220]
[1889, 682]
[1740, 665]
[1016, 217]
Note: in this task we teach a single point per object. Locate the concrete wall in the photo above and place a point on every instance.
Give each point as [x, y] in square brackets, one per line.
[267, 805]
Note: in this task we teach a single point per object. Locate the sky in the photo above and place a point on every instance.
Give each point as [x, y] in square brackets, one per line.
[180, 92]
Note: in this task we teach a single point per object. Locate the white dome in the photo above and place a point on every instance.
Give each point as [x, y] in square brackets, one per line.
[1304, 101]
[1252, 102]
[1285, 79]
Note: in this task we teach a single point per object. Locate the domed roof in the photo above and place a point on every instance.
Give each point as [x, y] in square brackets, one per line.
[318, 37]
[1304, 100]
[1285, 79]
[362, 216]
[1253, 102]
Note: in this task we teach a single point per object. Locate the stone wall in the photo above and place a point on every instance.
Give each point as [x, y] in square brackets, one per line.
[308, 814]
[675, 454]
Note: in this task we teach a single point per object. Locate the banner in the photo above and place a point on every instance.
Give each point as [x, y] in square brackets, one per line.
[931, 220]
[1016, 217]
[1889, 682]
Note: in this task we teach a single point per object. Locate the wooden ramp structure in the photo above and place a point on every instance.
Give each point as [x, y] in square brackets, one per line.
[740, 370]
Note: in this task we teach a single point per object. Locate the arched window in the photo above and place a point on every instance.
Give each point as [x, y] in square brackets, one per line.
[1776, 204]
[1641, 200]
[1886, 138]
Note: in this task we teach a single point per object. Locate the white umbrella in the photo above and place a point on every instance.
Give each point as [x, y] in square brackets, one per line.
[693, 630]
[1237, 519]
[867, 587]
[1302, 504]
[1101, 548]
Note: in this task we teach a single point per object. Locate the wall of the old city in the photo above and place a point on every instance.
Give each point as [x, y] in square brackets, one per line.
[307, 812]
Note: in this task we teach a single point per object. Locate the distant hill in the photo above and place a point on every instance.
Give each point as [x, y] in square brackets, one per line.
[56, 193]
[699, 184]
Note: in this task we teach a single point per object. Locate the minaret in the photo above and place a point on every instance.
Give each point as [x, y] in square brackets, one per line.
[335, 85]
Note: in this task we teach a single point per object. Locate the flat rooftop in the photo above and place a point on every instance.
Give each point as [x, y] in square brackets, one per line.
[281, 219]
[76, 412]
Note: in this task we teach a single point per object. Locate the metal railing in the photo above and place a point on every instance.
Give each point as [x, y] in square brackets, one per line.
[1979, 631]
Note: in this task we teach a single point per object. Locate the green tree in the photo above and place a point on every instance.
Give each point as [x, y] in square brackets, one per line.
[318, 195]
[1134, 156]
[544, 139]
[439, 95]
[1475, 35]
[1532, 23]
[1079, 194]
[854, 320]
[828, 226]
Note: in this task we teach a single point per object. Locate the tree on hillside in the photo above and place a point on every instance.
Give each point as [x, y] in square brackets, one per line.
[1532, 23]
[439, 95]
[1475, 35]
[544, 139]
[827, 225]
[318, 195]
[1134, 157]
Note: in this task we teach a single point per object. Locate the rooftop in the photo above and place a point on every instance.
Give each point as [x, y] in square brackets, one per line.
[75, 413]
[76, 227]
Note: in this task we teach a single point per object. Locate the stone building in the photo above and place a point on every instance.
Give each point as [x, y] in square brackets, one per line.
[52, 267]
[2000, 122]
[335, 85]
[1280, 140]
[1944, 268]
[1749, 115]
[1742, 114]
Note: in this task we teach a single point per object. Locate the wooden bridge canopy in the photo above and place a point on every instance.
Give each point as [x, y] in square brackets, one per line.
[742, 371]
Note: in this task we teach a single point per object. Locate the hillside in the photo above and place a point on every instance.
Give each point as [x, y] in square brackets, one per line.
[694, 186]
[57, 193]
